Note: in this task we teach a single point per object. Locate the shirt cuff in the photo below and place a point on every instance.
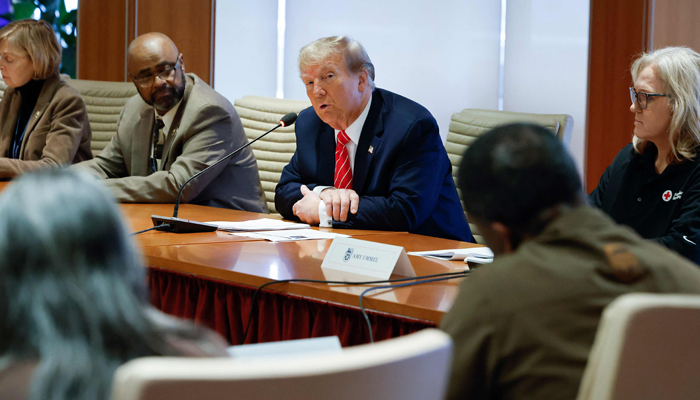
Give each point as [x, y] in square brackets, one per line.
[325, 221]
[319, 189]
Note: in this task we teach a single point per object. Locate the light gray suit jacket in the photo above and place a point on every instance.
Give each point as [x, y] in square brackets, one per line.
[206, 127]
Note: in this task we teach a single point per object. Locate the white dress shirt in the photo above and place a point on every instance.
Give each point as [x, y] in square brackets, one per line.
[168, 118]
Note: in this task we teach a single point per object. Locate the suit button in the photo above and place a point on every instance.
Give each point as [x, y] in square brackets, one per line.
[639, 199]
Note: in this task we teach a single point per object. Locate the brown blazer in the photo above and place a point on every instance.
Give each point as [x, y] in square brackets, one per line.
[58, 132]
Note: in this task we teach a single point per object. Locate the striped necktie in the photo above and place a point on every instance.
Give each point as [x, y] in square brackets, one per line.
[154, 147]
[343, 173]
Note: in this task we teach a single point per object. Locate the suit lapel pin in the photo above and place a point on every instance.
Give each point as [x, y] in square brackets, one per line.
[38, 113]
[371, 149]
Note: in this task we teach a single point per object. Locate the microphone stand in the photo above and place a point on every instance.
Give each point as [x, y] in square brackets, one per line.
[179, 225]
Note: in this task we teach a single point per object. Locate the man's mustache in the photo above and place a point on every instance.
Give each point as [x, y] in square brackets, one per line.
[165, 90]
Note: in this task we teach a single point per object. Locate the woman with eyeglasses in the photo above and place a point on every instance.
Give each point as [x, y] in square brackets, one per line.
[653, 185]
[43, 121]
[73, 297]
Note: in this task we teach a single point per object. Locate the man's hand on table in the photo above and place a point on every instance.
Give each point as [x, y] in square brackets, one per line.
[339, 202]
[306, 209]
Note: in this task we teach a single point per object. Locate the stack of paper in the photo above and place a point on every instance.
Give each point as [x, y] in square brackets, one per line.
[290, 235]
[263, 224]
[480, 255]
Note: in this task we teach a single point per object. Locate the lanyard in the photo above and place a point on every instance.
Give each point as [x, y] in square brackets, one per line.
[18, 137]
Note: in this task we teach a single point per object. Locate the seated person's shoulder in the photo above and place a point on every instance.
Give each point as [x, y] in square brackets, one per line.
[404, 113]
[185, 338]
[66, 94]
[206, 104]
[66, 90]
[203, 96]
[15, 379]
[628, 152]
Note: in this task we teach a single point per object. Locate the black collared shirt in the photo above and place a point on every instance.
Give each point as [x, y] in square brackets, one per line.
[664, 207]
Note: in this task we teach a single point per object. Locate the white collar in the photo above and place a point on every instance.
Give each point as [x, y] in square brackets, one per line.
[168, 117]
[355, 129]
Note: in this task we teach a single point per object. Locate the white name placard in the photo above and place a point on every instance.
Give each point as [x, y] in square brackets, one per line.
[360, 258]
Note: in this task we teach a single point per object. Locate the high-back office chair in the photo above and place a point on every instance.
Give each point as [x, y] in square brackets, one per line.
[646, 347]
[273, 152]
[104, 102]
[466, 126]
[415, 366]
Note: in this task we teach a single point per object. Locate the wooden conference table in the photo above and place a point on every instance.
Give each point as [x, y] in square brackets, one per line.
[211, 277]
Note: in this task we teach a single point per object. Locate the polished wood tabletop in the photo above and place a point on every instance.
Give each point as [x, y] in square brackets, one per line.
[257, 263]
[138, 217]
[223, 256]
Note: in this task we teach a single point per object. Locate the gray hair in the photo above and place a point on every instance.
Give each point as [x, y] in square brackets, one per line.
[72, 287]
[678, 68]
[355, 56]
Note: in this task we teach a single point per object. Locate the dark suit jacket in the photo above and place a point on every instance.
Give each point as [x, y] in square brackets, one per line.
[206, 127]
[57, 134]
[402, 173]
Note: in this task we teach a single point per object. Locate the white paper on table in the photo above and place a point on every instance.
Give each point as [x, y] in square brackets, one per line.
[263, 224]
[473, 254]
[291, 235]
[478, 260]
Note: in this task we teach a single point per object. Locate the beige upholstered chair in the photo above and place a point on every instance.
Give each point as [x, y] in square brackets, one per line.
[104, 102]
[274, 151]
[469, 124]
[411, 367]
[646, 347]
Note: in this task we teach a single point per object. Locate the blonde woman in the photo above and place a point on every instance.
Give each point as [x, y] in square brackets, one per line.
[43, 121]
[653, 185]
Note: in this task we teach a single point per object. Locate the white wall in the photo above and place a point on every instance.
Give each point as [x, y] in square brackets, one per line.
[442, 54]
[245, 48]
[546, 69]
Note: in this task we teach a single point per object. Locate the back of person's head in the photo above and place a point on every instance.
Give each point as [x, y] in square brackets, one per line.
[678, 69]
[514, 173]
[72, 289]
[38, 39]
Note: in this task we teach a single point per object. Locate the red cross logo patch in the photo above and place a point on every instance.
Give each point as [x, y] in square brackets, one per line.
[667, 195]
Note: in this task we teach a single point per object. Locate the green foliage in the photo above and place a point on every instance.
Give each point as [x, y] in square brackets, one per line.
[64, 23]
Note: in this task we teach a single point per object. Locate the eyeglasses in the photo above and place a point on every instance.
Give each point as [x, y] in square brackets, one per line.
[165, 74]
[643, 98]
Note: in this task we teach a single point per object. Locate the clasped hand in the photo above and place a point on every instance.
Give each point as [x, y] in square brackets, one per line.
[338, 203]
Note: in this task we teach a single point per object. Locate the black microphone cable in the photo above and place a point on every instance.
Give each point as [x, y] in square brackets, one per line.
[161, 227]
[416, 280]
[391, 287]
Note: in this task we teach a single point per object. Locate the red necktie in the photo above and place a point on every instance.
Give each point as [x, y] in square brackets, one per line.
[343, 173]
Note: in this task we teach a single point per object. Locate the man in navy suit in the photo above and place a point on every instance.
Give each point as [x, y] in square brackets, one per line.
[366, 158]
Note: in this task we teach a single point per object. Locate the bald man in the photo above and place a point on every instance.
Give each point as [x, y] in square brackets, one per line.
[145, 163]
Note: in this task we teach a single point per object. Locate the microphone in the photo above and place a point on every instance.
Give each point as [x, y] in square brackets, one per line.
[179, 225]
